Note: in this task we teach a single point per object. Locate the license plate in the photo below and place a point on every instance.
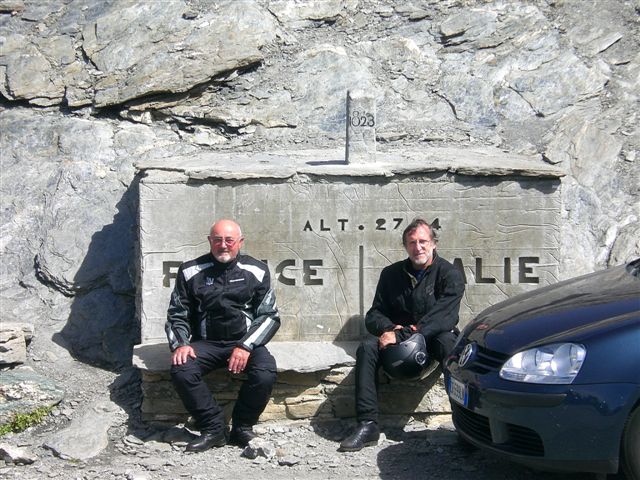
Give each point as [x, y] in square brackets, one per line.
[458, 391]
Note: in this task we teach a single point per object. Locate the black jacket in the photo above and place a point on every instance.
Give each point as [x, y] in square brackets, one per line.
[432, 304]
[222, 301]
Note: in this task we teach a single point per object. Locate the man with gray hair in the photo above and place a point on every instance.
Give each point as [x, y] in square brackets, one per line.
[222, 313]
[419, 294]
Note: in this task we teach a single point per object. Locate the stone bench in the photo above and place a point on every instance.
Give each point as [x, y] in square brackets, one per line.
[301, 357]
[315, 382]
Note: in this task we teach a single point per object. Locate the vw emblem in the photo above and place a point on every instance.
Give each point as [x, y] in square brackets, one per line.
[467, 354]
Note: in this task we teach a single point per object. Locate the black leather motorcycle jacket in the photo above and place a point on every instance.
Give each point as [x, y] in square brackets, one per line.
[431, 304]
[222, 301]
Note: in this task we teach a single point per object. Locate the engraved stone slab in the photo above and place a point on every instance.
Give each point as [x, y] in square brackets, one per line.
[326, 238]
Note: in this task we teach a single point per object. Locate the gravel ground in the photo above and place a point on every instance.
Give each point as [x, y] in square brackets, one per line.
[135, 450]
[299, 452]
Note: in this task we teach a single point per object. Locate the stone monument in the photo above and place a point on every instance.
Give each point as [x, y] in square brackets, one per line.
[326, 227]
[361, 128]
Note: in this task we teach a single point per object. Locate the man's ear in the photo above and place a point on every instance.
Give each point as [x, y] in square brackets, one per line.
[436, 224]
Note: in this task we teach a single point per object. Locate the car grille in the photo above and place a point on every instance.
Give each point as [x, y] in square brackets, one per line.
[522, 440]
[486, 361]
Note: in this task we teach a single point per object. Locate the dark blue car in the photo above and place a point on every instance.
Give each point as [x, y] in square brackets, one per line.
[551, 378]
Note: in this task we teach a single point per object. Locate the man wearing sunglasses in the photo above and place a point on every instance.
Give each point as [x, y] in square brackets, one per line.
[221, 314]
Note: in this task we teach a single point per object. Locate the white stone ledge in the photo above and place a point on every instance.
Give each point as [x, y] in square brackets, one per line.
[477, 161]
[303, 357]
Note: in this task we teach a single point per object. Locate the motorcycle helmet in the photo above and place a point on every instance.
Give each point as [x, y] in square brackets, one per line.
[406, 360]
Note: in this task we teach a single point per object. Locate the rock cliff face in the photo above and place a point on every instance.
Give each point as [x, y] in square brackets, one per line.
[88, 87]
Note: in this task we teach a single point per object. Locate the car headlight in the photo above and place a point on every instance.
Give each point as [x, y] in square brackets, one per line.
[554, 363]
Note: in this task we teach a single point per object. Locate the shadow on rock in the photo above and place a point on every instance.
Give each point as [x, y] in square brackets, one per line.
[102, 327]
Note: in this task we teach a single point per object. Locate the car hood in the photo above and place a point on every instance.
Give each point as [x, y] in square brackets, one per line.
[565, 311]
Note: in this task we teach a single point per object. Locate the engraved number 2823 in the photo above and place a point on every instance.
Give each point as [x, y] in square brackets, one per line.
[362, 119]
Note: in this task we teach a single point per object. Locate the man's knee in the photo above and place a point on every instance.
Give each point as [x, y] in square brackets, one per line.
[368, 349]
[262, 377]
[369, 344]
[187, 373]
[262, 367]
[442, 345]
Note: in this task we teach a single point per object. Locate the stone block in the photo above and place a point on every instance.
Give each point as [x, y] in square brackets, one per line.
[341, 376]
[13, 344]
[331, 389]
[282, 390]
[308, 392]
[274, 411]
[28, 330]
[307, 407]
[361, 127]
[303, 401]
[298, 378]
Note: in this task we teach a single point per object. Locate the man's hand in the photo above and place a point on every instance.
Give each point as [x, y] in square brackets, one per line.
[238, 360]
[388, 338]
[181, 354]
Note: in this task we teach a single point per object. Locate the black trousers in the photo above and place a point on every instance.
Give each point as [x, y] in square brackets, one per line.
[197, 398]
[368, 362]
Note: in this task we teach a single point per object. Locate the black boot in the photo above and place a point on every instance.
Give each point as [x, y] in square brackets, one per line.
[206, 441]
[241, 435]
[365, 435]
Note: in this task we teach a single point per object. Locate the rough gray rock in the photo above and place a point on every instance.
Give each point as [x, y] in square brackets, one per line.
[65, 186]
[121, 51]
[259, 447]
[87, 435]
[13, 342]
[16, 455]
[22, 391]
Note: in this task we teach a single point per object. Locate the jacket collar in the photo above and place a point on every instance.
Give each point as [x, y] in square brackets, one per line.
[223, 266]
[408, 266]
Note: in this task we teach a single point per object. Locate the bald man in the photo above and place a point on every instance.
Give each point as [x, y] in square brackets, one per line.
[222, 313]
